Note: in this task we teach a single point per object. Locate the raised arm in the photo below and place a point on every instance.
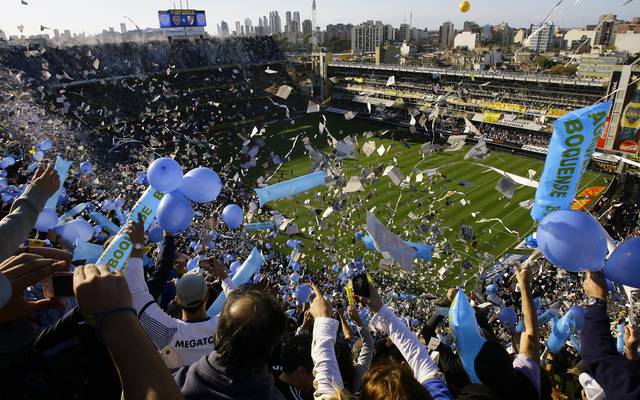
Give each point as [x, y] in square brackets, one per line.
[415, 353]
[618, 376]
[160, 274]
[366, 351]
[105, 300]
[326, 372]
[529, 345]
[159, 325]
[15, 227]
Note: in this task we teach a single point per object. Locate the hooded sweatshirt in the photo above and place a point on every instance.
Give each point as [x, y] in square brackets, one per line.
[207, 379]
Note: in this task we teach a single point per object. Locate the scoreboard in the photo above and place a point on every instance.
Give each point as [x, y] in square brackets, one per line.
[182, 18]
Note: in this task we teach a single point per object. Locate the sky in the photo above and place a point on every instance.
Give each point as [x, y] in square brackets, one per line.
[92, 16]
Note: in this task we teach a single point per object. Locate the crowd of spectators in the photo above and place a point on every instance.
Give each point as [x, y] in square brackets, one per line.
[146, 333]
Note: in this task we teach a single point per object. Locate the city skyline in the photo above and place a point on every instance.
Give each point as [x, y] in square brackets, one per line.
[427, 13]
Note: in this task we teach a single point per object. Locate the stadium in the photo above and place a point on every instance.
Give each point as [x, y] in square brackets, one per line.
[428, 179]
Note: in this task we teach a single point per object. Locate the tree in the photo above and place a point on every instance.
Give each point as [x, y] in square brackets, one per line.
[560, 69]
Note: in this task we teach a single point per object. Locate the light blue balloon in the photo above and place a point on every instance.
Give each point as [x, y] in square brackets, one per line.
[623, 265]
[302, 293]
[165, 175]
[155, 234]
[570, 323]
[9, 160]
[232, 215]
[47, 220]
[233, 268]
[75, 230]
[201, 185]
[507, 317]
[462, 319]
[174, 212]
[3, 183]
[38, 155]
[46, 145]
[86, 168]
[572, 240]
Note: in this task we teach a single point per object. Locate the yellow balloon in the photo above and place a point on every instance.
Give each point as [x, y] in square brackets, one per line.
[465, 6]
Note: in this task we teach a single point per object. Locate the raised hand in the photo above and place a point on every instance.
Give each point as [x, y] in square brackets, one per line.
[99, 290]
[23, 271]
[46, 178]
[320, 307]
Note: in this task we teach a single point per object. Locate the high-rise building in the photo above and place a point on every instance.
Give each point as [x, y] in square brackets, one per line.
[275, 23]
[265, 25]
[404, 33]
[287, 22]
[56, 34]
[123, 28]
[307, 27]
[541, 38]
[3, 36]
[486, 33]
[606, 30]
[295, 24]
[239, 29]
[223, 29]
[339, 32]
[389, 33]
[504, 34]
[367, 36]
[471, 26]
[248, 27]
[446, 35]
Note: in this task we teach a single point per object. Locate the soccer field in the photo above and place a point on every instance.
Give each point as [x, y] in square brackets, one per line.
[410, 212]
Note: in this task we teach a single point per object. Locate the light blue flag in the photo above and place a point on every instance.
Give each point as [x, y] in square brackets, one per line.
[462, 319]
[250, 266]
[86, 251]
[72, 213]
[104, 222]
[115, 256]
[573, 142]
[423, 250]
[291, 187]
[259, 226]
[62, 168]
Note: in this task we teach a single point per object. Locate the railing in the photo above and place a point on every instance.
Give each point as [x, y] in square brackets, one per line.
[491, 75]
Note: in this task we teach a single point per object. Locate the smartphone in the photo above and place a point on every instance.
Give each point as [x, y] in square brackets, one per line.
[60, 284]
[361, 285]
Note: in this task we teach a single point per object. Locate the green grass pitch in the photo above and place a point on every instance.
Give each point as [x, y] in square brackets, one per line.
[334, 240]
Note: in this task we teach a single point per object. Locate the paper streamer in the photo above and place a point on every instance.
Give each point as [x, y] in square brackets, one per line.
[423, 251]
[259, 226]
[115, 256]
[104, 222]
[462, 319]
[72, 213]
[573, 142]
[291, 187]
[86, 251]
[250, 266]
[62, 168]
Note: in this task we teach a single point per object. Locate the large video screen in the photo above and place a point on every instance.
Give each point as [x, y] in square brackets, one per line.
[182, 18]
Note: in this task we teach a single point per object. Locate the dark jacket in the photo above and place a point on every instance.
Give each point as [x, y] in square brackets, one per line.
[207, 379]
[619, 377]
